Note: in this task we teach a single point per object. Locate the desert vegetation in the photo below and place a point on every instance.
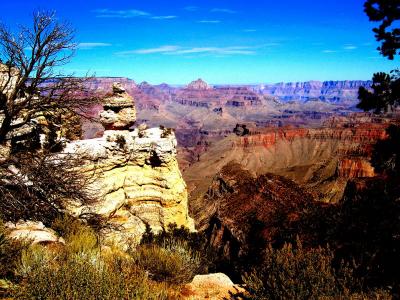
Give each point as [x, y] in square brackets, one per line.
[83, 268]
[302, 250]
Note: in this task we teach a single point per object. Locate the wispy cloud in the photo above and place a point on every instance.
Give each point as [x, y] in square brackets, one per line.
[209, 21]
[271, 44]
[162, 49]
[223, 10]
[123, 14]
[191, 8]
[249, 30]
[178, 50]
[349, 47]
[329, 51]
[88, 46]
[164, 17]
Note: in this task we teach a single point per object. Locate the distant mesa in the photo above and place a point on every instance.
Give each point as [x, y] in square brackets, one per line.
[198, 84]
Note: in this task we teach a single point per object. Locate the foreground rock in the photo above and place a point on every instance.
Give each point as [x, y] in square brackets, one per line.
[33, 232]
[137, 181]
[216, 286]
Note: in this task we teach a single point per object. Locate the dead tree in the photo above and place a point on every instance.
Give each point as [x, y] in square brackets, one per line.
[31, 80]
[38, 184]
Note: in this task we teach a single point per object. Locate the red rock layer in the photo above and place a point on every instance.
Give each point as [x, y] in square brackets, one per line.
[355, 168]
[365, 134]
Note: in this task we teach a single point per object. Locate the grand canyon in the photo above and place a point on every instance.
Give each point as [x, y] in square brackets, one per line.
[200, 151]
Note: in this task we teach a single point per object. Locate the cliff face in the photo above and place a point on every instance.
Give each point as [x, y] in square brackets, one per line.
[135, 174]
[333, 91]
[319, 159]
[137, 180]
[243, 209]
[198, 84]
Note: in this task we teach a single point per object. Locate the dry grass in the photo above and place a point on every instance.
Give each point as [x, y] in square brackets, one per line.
[81, 271]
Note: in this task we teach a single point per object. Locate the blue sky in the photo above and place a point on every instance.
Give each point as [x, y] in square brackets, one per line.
[221, 41]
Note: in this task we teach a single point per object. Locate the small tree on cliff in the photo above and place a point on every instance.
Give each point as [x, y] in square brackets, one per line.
[36, 184]
[387, 12]
[31, 81]
[386, 87]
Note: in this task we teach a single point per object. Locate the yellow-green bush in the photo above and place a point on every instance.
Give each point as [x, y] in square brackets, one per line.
[296, 273]
[174, 262]
[80, 271]
[86, 276]
[10, 252]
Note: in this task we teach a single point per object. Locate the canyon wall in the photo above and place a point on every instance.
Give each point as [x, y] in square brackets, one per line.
[134, 173]
[137, 181]
[333, 91]
[319, 159]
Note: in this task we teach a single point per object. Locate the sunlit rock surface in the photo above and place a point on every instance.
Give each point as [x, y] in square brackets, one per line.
[137, 181]
[33, 232]
[215, 286]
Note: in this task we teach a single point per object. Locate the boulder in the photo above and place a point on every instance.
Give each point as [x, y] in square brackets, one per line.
[216, 286]
[34, 232]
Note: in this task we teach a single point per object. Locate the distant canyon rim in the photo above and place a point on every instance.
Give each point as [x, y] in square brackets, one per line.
[309, 132]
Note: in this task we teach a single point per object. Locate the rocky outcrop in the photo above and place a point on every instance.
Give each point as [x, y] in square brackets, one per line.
[33, 232]
[241, 209]
[137, 181]
[8, 78]
[355, 168]
[198, 84]
[133, 173]
[119, 110]
[215, 286]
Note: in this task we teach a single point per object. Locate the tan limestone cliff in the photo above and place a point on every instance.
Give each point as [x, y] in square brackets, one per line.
[137, 180]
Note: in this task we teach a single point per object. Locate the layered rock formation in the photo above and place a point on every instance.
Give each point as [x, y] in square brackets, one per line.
[119, 110]
[320, 159]
[240, 209]
[199, 106]
[135, 174]
[198, 84]
[332, 91]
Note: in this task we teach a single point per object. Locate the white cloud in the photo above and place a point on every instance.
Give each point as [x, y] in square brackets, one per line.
[129, 13]
[87, 46]
[162, 49]
[223, 10]
[123, 14]
[349, 47]
[178, 50]
[329, 51]
[209, 21]
[218, 51]
[191, 8]
[272, 44]
[164, 17]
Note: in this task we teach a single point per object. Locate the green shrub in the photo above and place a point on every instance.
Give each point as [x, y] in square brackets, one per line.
[173, 262]
[66, 225]
[10, 253]
[84, 276]
[189, 247]
[295, 273]
[78, 236]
